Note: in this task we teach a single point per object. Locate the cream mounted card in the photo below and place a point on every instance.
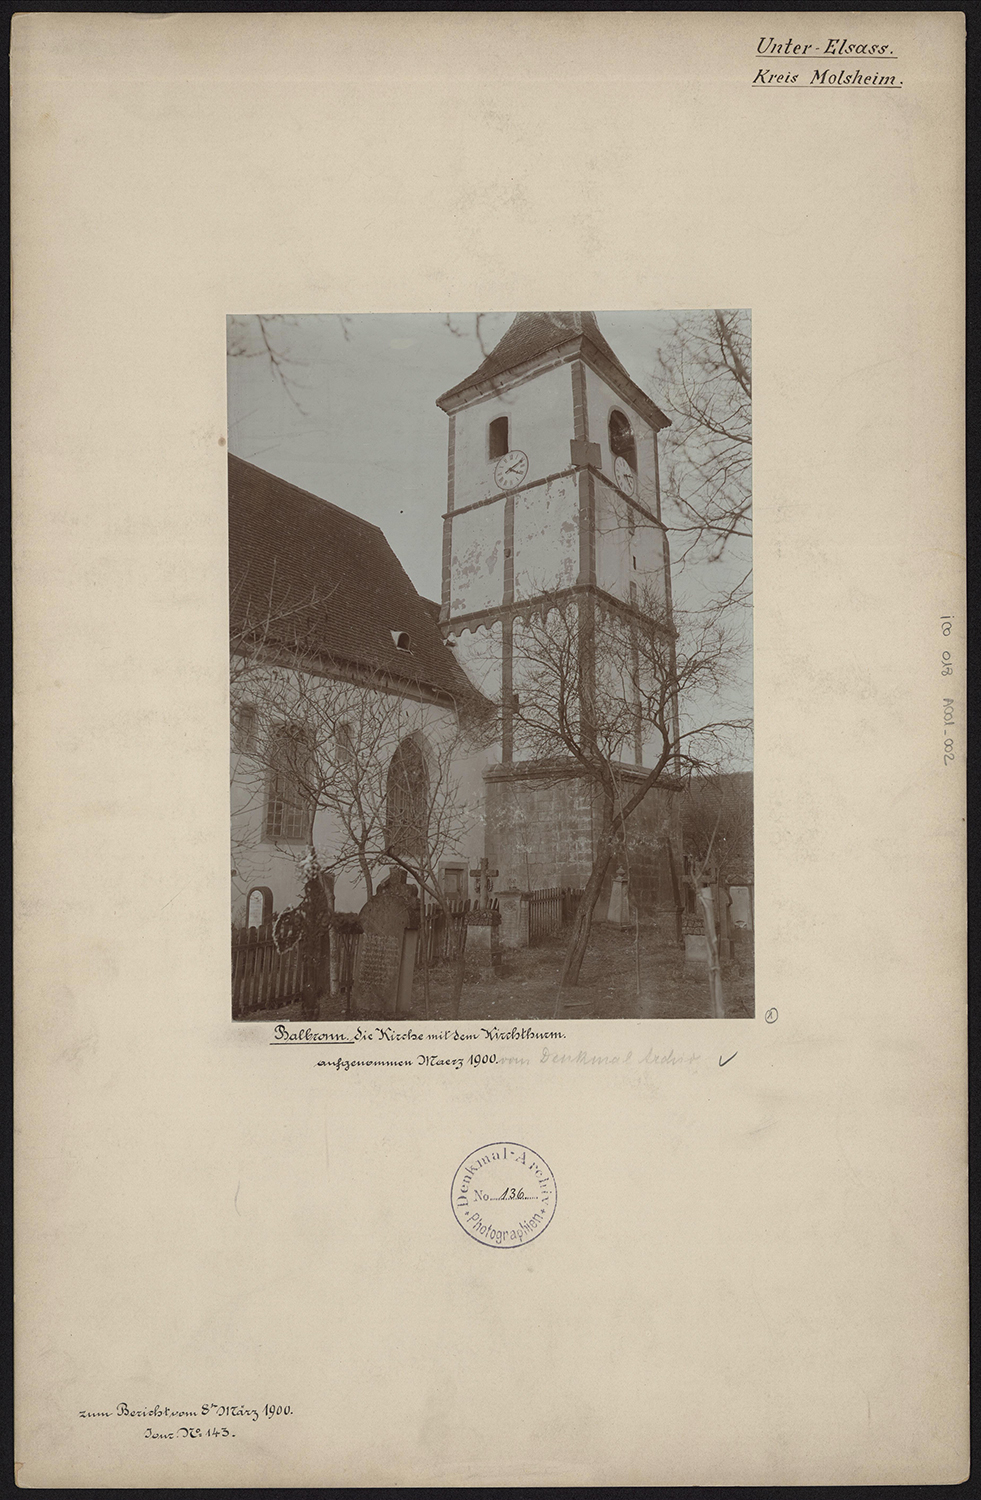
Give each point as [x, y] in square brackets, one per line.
[332, 1208]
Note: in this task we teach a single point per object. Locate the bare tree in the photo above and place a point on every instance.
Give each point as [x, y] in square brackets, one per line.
[718, 824]
[269, 337]
[427, 819]
[273, 339]
[704, 381]
[591, 685]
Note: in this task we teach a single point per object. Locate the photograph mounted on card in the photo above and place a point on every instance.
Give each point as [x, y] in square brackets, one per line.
[381, 1116]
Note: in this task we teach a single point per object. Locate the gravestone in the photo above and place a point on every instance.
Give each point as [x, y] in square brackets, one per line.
[741, 922]
[514, 908]
[696, 948]
[619, 909]
[720, 900]
[484, 942]
[712, 943]
[484, 925]
[707, 902]
[741, 912]
[698, 945]
[387, 950]
[260, 906]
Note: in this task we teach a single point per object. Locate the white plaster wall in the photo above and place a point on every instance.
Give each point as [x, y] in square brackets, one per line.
[541, 425]
[546, 537]
[527, 665]
[468, 769]
[616, 691]
[477, 562]
[479, 654]
[648, 548]
[614, 544]
[646, 470]
[438, 728]
[616, 549]
[256, 862]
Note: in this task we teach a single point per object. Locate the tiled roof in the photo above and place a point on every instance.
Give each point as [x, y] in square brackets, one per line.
[533, 334]
[304, 572]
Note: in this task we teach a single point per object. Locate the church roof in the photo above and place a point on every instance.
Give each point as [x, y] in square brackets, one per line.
[533, 334]
[305, 573]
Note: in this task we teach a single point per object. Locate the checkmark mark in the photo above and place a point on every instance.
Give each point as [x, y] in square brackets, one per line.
[728, 1060]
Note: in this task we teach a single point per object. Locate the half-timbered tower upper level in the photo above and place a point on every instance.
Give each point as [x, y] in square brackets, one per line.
[552, 478]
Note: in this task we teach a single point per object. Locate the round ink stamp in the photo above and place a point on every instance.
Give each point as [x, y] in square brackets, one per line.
[503, 1195]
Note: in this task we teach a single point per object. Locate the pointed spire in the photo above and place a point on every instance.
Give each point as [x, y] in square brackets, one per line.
[533, 334]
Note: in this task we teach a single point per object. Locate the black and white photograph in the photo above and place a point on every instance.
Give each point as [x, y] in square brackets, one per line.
[490, 604]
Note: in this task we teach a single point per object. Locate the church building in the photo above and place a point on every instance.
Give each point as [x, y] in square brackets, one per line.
[552, 503]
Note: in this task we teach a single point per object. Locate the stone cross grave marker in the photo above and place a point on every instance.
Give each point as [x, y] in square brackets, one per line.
[387, 950]
[484, 878]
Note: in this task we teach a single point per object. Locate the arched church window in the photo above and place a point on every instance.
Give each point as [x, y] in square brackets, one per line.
[622, 441]
[289, 813]
[498, 439]
[407, 803]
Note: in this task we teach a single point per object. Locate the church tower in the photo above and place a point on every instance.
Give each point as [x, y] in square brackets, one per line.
[552, 495]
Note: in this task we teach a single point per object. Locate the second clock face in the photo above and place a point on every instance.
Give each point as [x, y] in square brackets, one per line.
[625, 476]
[510, 470]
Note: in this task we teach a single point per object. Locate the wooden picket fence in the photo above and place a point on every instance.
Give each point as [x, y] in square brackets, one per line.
[446, 939]
[262, 978]
[550, 910]
[345, 939]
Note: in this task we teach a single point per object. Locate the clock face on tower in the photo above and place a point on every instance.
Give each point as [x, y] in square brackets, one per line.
[511, 470]
[625, 476]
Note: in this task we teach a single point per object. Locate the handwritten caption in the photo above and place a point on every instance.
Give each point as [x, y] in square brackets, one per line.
[174, 1423]
[862, 71]
[578, 1057]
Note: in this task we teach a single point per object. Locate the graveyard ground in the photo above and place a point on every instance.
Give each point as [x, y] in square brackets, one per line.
[527, 987]
[608, 989]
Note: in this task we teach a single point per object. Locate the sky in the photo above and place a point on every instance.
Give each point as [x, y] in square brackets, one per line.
[370, 436]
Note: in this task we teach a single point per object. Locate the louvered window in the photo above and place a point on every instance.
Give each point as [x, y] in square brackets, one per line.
[497, 438]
